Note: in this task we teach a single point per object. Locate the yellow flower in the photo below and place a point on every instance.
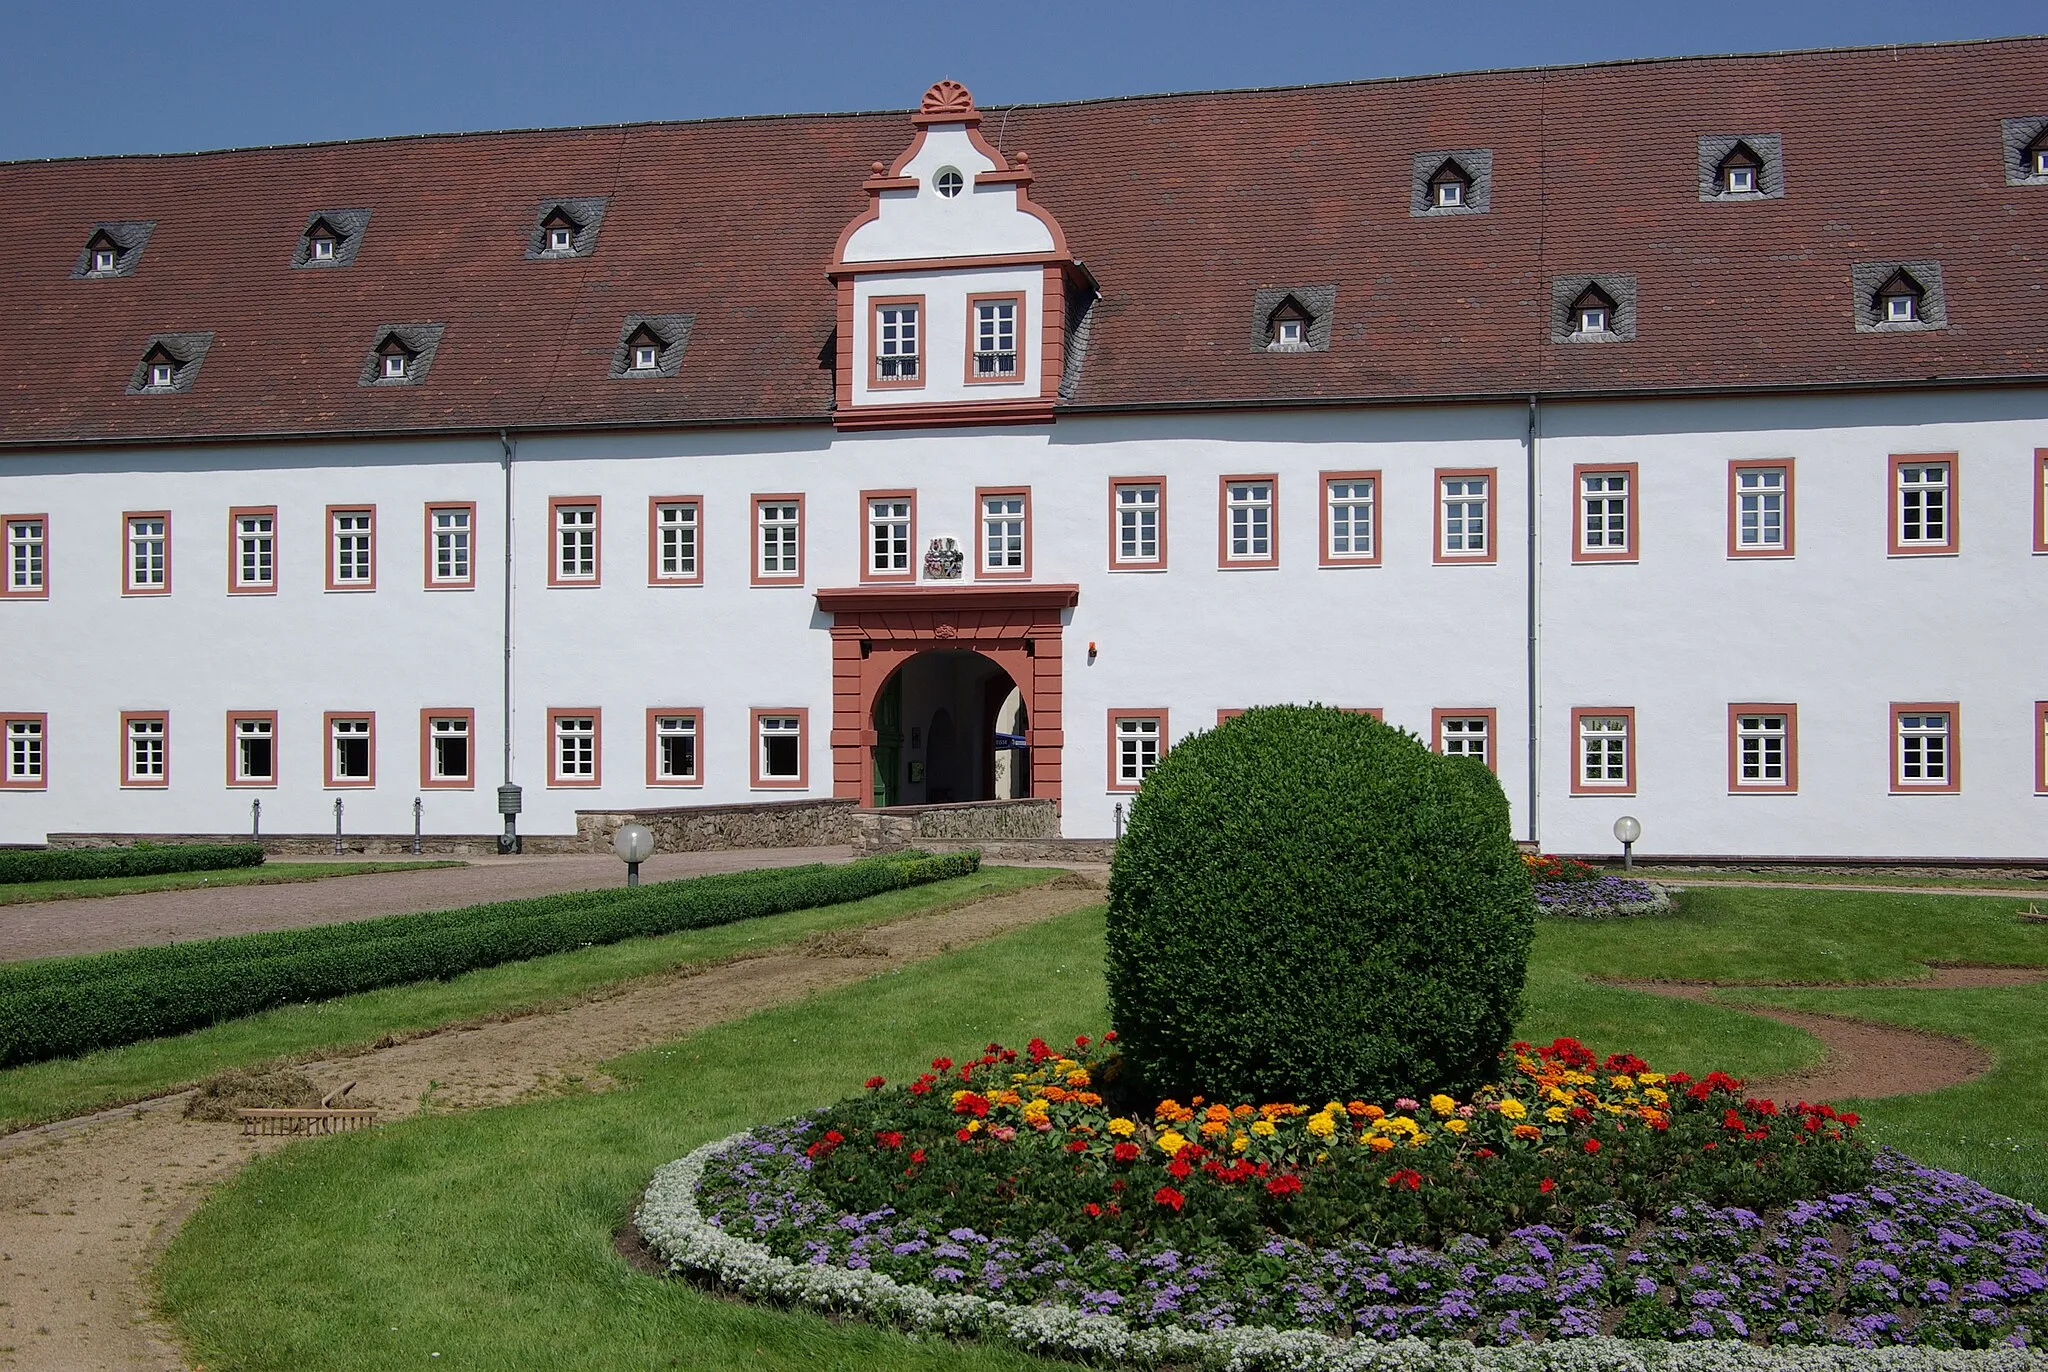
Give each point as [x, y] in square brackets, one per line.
[1621, 1083]
[1555, 1114]
[1265, 1129]
[973, 1126]
[1123, 1128]
[1240, 1143]
[1035, 1107]
[1077, 1078]
[1513, 1109]
[1379, 1143]
[1456, 1126]
[1657, 1095]
[959, 1096]
[1322, 1126]
[1443, 1105]
[1651, 1078]
[1171, 1143]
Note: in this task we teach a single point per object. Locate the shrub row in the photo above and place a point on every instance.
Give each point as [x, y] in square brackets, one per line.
[92, 864]
[61, 1007]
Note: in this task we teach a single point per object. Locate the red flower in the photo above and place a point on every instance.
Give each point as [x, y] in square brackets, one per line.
[964, 1134]
[1118, 1184]
[876, 1083]
[1125, 1152]
[943, 1064]
[1109, 1037]
[1169, 1198]
[1178, 1169]
[920, 1087]
[889, 1138]
[1284, 1186]
[1849, 1117]
[1078, 1146]
[1580, 1112]
[973, 1103]
[1813, 1124]
[917, 1155]
[1548, 1185]
[1094, 1210]
[1592, 1145]
[1407, 1177]
[1080, 1040]
[1483, 1153]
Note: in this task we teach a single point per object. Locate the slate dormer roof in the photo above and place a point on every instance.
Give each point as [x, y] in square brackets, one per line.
[127, 237]
[184, 351]
[418, 344]
[582, 215]
[1181, 207]
[668, 332]
[345, 227]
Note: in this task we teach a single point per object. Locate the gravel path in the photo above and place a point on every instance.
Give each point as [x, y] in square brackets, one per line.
[55, 928]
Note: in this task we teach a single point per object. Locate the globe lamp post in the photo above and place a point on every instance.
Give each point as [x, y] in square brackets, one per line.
[634, 843]
[1628, 829]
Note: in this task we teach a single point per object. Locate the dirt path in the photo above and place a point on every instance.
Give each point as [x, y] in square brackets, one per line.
[1865, 1059]
[86, 1205]
[2010, 892]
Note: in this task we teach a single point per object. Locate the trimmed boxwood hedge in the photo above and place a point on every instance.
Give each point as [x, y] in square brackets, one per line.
[60, 1007]
[91, 864]
[1310, 905]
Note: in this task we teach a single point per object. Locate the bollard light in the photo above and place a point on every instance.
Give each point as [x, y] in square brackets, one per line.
[634, 843]
[1628, 829]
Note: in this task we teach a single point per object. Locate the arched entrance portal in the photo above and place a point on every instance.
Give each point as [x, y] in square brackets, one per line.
[950, 725]
[878, 633]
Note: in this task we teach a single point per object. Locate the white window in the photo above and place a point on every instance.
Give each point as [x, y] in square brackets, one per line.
[575, 748]
[675, 747]
[1248, 532]
[949, 182]
[1350, 518]
[1450, 193]
[1923, 496]
[1002, 533]
[781, 527]
[575, 542]
[255, 750]
[394, 366]
[1591, 319]
[1137, 524]
[1463, 736]
[1603, 504]
[323, 249]
[24, 752]
[2041, 162]
[889, 536]
[1760, 749]
[255, 551]
[451, 533]
[645, 356]
[349, 741]
[104, 259]
[1287, 332]
[1760, 509]
[162, 374]
[561, 238]
[354, 564]
[149, 567]
[1137, 748]
[1741, 180]
[1901, 308]
[896, 342]
[995, 338]
[675, 533]
[1464, 521]
[147, 761]
[448, 747]
[25, 552]
[1603, 751]
[1924, 749]
[781, 747]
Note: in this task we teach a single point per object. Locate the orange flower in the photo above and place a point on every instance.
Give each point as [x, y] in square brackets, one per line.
[1216, 1112]
[1527, 1131]
[1214, 1127]
[1379, 1143]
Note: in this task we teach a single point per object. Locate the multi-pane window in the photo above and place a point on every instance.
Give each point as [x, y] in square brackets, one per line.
[255, 745]
[675, 748]
[25, 751]
[1139, 534]
[888, 530]
[675, 540]
[995, 340]
[1604, 751]
[778, 542]
[450, 529]
[1352, 533]
[149, 553]
[27, 540]
[1248, 521]
[350, 754]
[448, 747]
[1465, 736]
[575, 542]
[1763, 750]
[1004, 550]
[1925, 505]
[1924, 748]
[1137, 742]
[1762, 510]
[1463, 518]
[781, 747]
[1604, 513]
[146, 750]
[256, 550]
[352, 551]
[575, 749]
[897, 342]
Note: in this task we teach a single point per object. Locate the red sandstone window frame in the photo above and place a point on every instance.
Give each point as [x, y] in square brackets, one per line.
[2040, 509]
[129, 780]
[333, 512]
[754, 504]
[1223, 716]
[129, 585]
[430, 782]
[429, 534]
[1895, 517]
[982, 495]
[1785, 549]
[655, 505]
[236, 514]
[758, 778]
[1952, 780]
[1441, 555]
[1377, 503]
[654, 777]
[1627, 785]
[1271, 558]
[557, 781]
[235, 779]
[1790, 784]
[1136, 564]
[556, 577]
[2040, 748]
[878, 382]
[1491, 714]
[41, 720]
[868, 574]
[7, 591]
[1116, 717]
[974, 302]
[1631, 511]
[328, 719]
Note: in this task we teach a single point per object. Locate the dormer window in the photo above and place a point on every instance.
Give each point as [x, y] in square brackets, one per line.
[1739, 171]
[1898, 300]
[1290, 329]
[103, 259]
[394, 359]
[560, 230]
[1449, 186]
[163, 368]
[1592, 312]
[645, 355]
[643, 349]
[2034, 157]
[105, 254]
[561, 239]
[323, 248]
[394, 366]
[949, 182]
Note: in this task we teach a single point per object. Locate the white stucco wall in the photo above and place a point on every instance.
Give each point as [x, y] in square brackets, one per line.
[947, 342]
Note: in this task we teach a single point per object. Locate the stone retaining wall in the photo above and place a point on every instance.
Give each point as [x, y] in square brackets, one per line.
[826, 823]
[352, 845]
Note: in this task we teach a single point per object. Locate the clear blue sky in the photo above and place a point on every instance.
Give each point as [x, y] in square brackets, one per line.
[127, 76]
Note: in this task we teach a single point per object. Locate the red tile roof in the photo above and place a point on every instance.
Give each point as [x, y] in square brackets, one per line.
[1181, 206]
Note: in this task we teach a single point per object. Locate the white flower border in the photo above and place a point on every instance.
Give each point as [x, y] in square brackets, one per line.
[677, 1231]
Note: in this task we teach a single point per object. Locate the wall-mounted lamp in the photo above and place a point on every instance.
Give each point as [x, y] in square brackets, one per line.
[1091, 650]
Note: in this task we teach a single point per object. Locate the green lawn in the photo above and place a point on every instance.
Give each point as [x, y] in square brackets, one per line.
[270, 874]
[72, 1086]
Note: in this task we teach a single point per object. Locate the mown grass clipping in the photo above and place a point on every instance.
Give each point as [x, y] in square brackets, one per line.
[91, 864]
[61, 1007]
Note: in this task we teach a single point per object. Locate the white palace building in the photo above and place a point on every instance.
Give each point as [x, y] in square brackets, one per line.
[1673, 435]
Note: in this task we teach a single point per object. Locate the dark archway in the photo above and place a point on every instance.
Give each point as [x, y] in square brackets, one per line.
[940, 732]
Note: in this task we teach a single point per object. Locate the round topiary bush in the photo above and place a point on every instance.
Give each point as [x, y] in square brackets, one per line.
[1309, 905]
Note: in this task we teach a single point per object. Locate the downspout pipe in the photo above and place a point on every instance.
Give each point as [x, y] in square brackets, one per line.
[1534, 574]
[509, 800]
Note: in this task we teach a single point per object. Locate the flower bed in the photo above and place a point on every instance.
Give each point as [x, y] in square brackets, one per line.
[1577, 1202]
[1601, 898]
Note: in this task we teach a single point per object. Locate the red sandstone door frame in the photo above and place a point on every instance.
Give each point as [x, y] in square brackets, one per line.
[875, 630]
